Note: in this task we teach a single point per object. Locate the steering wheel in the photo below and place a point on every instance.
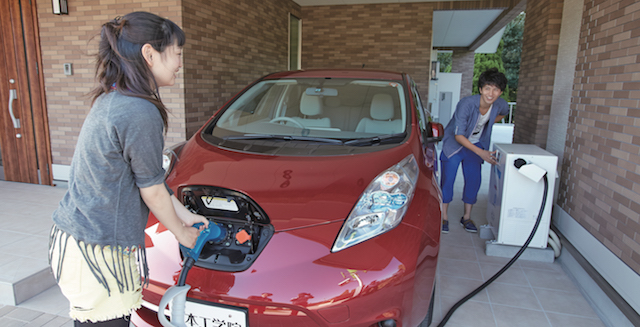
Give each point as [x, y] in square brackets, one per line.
[288, 119]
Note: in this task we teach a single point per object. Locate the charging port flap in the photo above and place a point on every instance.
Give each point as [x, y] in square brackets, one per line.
[247, 227]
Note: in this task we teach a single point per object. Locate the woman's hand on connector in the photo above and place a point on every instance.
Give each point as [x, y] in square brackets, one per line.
[188, 218]
[188, 235]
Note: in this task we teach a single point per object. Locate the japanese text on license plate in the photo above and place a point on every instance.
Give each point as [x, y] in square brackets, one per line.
[213, 315]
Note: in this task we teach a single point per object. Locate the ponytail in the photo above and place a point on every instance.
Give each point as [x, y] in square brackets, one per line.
[120, 62]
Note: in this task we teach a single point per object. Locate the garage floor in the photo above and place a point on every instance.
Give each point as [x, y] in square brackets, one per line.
[529, 294]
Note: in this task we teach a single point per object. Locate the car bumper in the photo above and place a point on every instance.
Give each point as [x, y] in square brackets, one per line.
[296, 281]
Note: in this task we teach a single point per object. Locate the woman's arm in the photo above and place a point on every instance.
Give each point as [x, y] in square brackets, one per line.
[172, 214]
[188, 218]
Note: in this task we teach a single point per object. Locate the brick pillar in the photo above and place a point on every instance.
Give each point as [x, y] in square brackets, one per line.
[537, 71]
[462, 62]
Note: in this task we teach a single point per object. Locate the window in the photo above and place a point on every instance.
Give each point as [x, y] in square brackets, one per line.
[423, 115]
[340, 108]
[295, 44]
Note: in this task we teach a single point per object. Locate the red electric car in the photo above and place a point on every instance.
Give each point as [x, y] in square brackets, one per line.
[326, 183]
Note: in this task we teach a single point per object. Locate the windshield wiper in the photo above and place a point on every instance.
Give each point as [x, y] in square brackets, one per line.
[281, 137]
[388, 138]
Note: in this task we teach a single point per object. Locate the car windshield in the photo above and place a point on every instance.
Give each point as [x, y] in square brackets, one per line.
[325, 110]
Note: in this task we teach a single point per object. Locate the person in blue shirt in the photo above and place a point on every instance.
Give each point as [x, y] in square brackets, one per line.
[466, 141]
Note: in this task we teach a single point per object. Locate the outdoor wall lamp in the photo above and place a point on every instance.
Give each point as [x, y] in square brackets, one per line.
[60, 7]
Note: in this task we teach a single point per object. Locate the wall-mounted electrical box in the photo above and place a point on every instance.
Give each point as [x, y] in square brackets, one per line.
[68, 69]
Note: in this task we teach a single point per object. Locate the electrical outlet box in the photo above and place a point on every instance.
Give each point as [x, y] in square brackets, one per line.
[514, 200]
[68, 69]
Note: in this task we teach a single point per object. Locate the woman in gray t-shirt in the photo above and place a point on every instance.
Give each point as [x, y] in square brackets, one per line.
[97, 242]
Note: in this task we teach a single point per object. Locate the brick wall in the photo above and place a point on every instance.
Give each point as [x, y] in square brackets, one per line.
[600, 185]
[228, 45]
[231, 43]
[70, 39]
[537, 71]
[394, 36]
[462, 62]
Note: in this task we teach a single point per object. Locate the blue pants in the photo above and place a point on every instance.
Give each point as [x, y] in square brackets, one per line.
[471, 171]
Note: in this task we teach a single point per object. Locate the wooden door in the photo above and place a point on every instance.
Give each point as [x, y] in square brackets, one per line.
[24, 126]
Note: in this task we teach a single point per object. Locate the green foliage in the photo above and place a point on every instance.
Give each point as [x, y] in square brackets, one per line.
[506, 59]
[512, 51]
[445, 61]
[484, 61]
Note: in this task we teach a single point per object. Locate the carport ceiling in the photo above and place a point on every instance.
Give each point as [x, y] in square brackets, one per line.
[451, 28]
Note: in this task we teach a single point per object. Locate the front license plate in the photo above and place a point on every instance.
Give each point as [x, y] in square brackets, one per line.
[206, 314]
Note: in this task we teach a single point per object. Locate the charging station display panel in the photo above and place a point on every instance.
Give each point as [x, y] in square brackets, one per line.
[515, 199]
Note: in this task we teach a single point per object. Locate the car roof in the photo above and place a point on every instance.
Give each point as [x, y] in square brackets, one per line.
[339, 73]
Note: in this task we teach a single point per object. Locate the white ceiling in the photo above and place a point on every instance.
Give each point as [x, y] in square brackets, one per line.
[451, 28]
[459, 28]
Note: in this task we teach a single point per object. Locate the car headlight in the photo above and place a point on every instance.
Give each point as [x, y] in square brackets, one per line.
[170, 157]
[381, 206]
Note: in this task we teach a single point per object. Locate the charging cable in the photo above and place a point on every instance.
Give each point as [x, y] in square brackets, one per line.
[177, 295]
[534, 173]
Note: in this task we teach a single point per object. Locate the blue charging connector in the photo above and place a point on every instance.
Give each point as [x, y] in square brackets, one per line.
[215, 232]
[178, 293]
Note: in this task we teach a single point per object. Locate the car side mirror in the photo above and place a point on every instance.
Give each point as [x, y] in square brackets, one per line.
[436, 132]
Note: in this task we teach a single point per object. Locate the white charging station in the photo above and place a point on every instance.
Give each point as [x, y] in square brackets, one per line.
[515, 197]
